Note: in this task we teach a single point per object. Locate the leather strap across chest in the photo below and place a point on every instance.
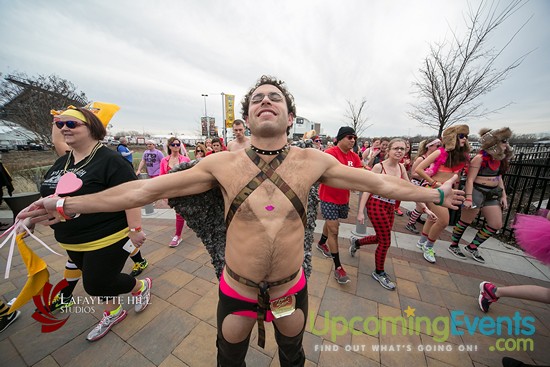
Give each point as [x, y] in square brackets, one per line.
[267, 172]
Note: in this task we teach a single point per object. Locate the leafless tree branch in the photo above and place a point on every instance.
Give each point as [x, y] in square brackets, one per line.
[457, 73]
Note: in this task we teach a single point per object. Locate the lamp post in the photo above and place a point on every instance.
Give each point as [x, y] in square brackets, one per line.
[206, 116]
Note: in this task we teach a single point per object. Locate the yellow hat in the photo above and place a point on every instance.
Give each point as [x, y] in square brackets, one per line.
[104, 111]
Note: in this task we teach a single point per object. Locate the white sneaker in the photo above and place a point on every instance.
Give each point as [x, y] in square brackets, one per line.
[429, 254]
[142, 298]
[106, 323]
[420, 245]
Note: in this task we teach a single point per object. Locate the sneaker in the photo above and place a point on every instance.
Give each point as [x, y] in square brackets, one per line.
[142, 298]
[487, 295]
[139, 267]
[353, 246]
[474, 254]
[175, 241]
[8, 319]
[412, 228]
[398, 212]
[384, 280]
[341, 275]
[429, 254]
[59, 303]
[106, 323]
[324, 249]
[455, 250]
[420, 245]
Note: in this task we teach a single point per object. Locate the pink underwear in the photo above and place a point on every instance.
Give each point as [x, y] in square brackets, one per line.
[230, 292]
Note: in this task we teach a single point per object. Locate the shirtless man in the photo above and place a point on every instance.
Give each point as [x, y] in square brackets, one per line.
[241, 141]
[265, 229]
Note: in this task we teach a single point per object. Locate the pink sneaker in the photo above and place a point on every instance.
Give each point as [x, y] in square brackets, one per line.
[175, 241]
[487, 295]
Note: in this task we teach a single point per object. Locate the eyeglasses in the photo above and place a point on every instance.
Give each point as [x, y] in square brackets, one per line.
[398, 148]
[273, 97]
[505, 141]
[175, 144]
[69, 124]
[351, 137]
[462, 136]
[317, 140]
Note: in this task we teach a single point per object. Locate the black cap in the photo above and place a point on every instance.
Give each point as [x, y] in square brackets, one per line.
[343, 132]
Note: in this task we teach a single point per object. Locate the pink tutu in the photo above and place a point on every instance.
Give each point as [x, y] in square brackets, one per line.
[533, 234]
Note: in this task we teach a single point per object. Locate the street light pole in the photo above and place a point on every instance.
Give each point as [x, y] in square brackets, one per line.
[223, 119]
[206, 116]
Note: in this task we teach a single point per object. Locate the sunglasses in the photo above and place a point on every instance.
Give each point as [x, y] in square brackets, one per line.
[462, 136]
[317, 141]
[175, 144]
[69, 124]
[273, 97]
[351, 137]
[199, 151]
[505, 141]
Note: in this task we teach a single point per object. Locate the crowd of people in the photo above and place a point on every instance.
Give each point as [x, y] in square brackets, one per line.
[265, 183]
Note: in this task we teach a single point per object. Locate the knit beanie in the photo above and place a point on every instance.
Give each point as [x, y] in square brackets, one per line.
[343, 132]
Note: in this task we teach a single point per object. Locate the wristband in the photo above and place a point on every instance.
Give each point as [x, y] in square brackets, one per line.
[136, 229]
[59, 207]
[468, 200]
[441, 197]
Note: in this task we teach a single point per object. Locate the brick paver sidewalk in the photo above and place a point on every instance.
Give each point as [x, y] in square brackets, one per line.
[179, 327]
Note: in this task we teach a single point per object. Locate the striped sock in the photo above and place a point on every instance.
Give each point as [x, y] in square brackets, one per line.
[458, 231]
[415, 214]
[482, 235]
[423, 237]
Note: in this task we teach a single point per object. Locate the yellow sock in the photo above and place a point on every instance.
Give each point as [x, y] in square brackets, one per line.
[115, 311]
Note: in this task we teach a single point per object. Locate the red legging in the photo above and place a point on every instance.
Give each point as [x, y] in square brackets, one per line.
[381, 215]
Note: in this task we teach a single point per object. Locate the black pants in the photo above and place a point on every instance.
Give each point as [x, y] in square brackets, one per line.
[101, 270]
[291, 352]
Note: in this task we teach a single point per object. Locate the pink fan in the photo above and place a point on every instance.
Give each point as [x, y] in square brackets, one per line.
[68, 183]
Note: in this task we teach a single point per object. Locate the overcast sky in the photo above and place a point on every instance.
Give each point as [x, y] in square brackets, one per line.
[156, 58]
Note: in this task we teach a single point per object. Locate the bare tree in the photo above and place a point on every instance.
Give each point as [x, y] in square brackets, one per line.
[355, 113]
[27, 101]
[457, 72]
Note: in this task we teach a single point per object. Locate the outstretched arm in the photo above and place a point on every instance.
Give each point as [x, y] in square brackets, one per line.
[132, 194]
[340, 176]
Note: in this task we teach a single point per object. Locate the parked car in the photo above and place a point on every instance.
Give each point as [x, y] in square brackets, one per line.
[4, 148]
[35, 146]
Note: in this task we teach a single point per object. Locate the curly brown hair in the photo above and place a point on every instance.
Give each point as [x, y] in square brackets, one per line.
[279, 84]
